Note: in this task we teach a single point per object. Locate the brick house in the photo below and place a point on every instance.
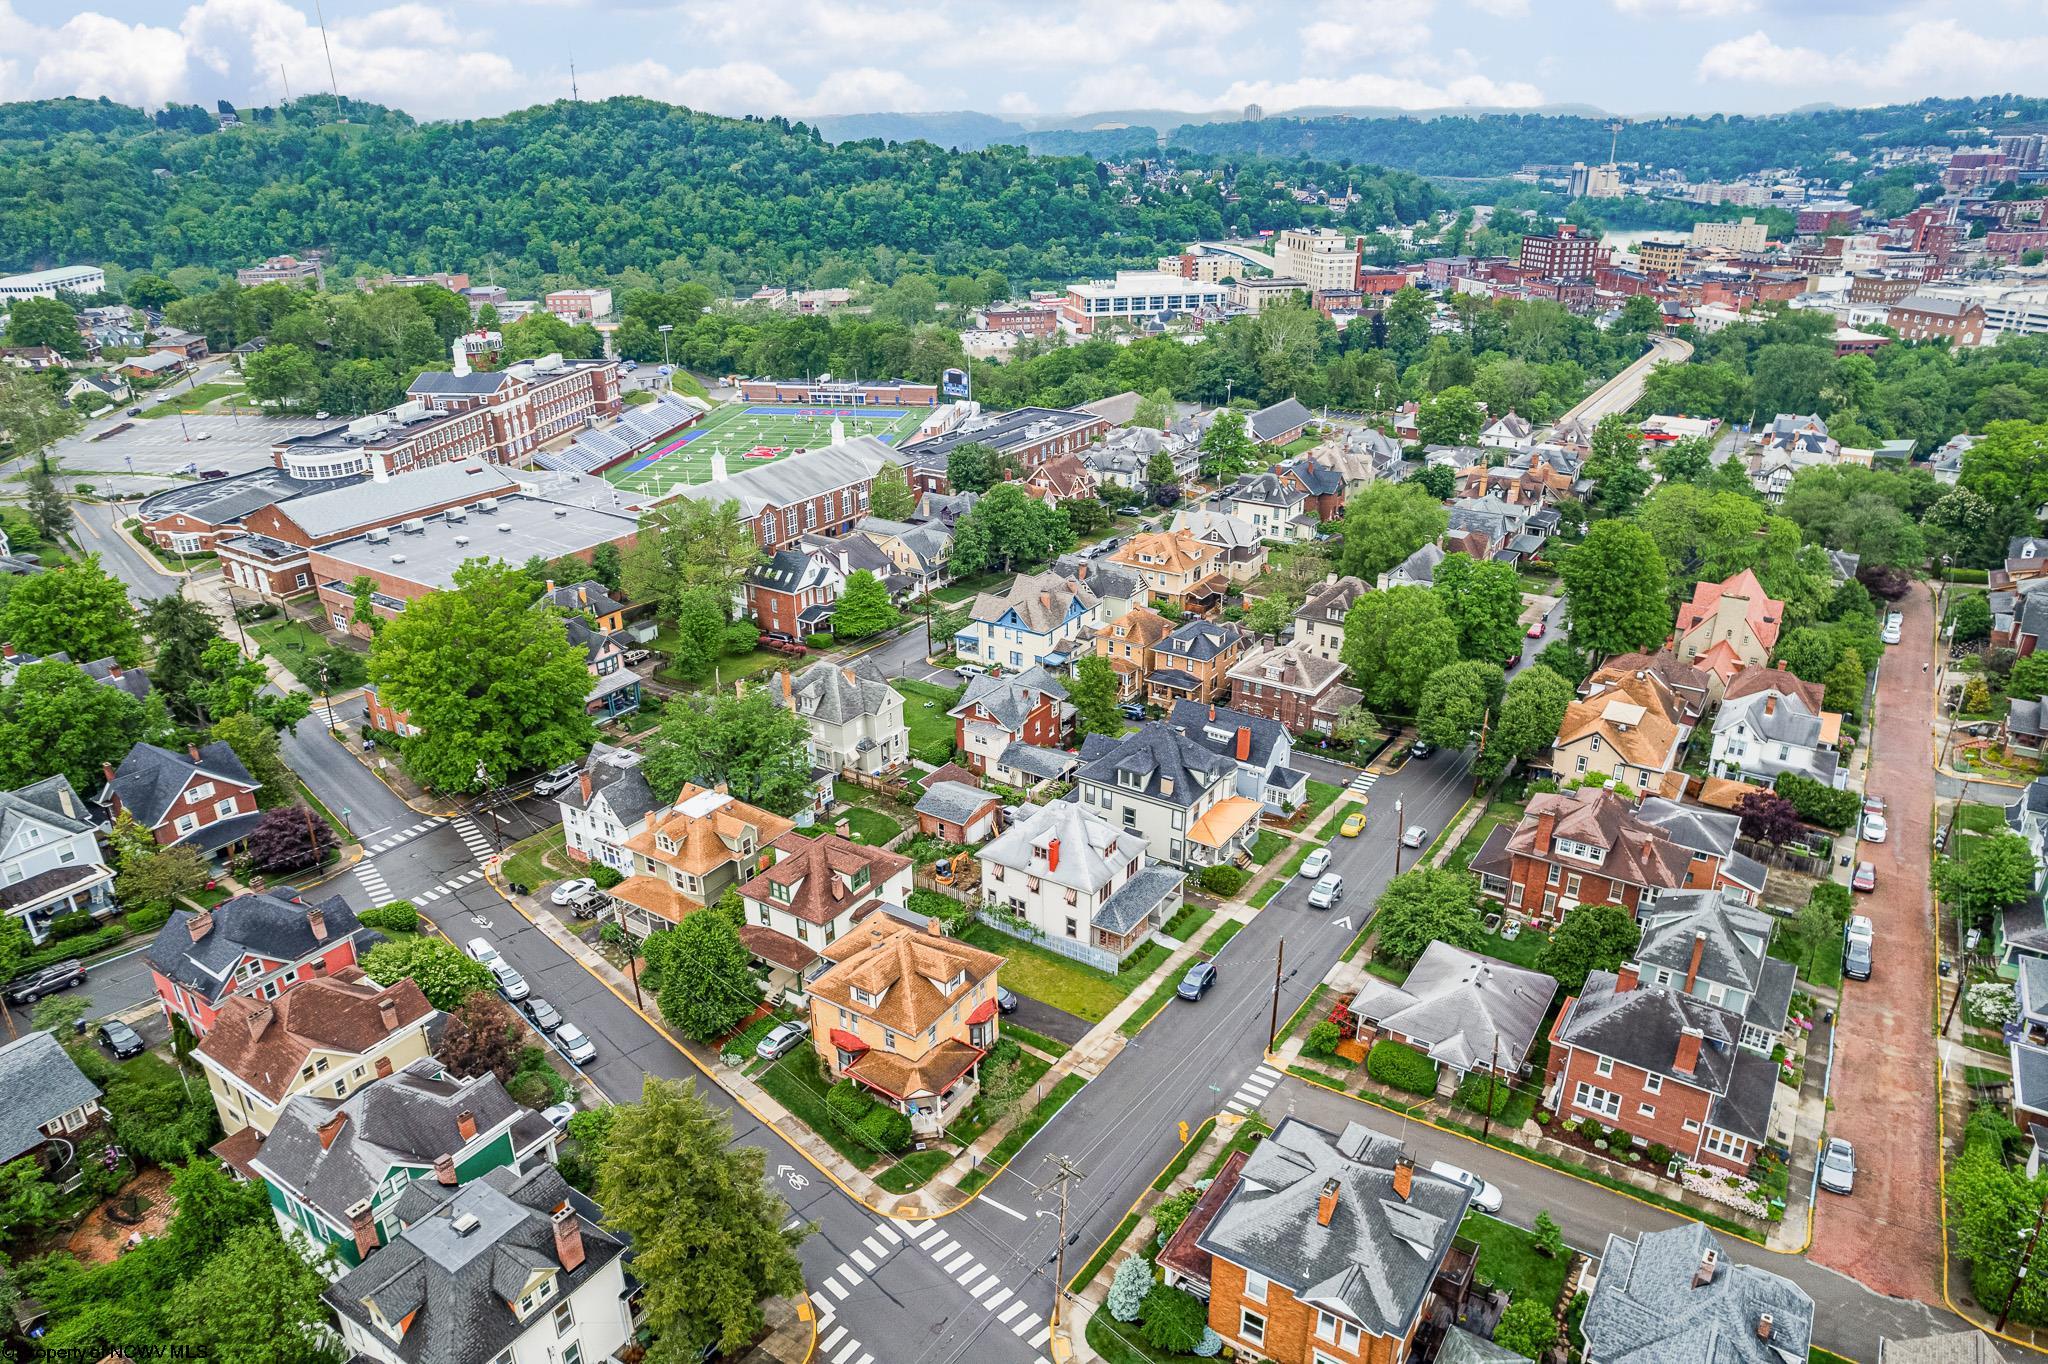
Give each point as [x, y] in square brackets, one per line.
[810, 896]
[1711, 945]
[825, 491]
[1176, 567]
[1322, 486]
[1194, 662]
[1923, 317]
[1663, 1066]
[1289, 684]
[1127, 643]
[1735, 612]
[956, 812]
[203, 797]
[1317, 1247]
[1319, 624]
[259, 943]
[1029, 707]
[1062, 478]
[792, 594]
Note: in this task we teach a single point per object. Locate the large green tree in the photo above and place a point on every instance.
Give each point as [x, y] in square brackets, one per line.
[1384, 523]
[47, 505]
[1227, 448]
[1591, 938]
[707, 1231]
[55, 718]
[1008, 527]
[1456, 701]
[1484, 600]
[1615, 580]
[757, 746]
[280, 376]
[1393, 641]
[1616, 466]
[257, 1301]
[1449, 417]
[1426, 905]
[444, 973]
[889, 496]
[31, 417]
[864, 607]
[975, 467]
[75, 608]
[493, 685]
[689, 543]
[45, 322]
[1531, 711]
[1998, 873]
[1094, 695]
[706, 988]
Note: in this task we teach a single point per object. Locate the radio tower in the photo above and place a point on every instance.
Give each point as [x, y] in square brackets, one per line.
[1613, 143]
[574, 97]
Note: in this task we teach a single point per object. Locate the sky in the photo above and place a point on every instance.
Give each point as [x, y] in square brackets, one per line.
[1031, 59]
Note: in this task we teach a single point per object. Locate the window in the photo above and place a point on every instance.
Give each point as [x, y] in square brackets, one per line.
[1653, 1084]
[222, 809]
[1255, 1285]
[572, 1353]
[186, 824]
[1336, 1330]
[1554, 875]
[1251, 1327]
[1604, 1066]
[1571, 885]
[1073, 928]
[1646, 1110]
[1692, 1124]
[1596, 1100]
[565, 1318]
[888, 1040]
[201, 791]
[1724, 1143]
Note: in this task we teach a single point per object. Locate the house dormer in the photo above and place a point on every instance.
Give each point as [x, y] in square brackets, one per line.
[783, 893]
[868, 999]
[539, 1288]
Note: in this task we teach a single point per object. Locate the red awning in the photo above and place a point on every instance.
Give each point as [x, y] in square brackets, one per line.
[846, 1041]
[984, 1013]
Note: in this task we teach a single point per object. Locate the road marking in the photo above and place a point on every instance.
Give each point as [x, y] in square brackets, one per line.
[1257, 1083]
[838, 1334]
[852, 1349]
[984, 1286]
[965, 1256]
[1026, 1323]
[881, 1251]
[792, 1223]
[373, 881]
[1235, 1107]
[1038, 1341]
[1268, 1070]
[867, 1359]
[837, 1291]
[863, 1261]
[942, 1247]
[850, 1274]
[1012, 1310]
[888, 1233]
[988, 1202]
[999, 1299]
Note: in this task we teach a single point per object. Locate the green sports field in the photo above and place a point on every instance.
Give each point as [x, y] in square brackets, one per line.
[736, 429]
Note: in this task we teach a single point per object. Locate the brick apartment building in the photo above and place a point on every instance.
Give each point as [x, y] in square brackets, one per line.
[792, 594]
[578, 305]
[1022, 321]
[1562, 254]
[259, 944]
[821, 492]
[1924, 317]
[1590, 846]
[1287, 683]
[1028, 435]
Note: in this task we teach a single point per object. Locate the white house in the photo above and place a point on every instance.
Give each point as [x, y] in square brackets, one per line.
[1079, 883]
[1273, 506]
[1510, 432]
[603, 807]
[1041, 618]
[1261, 749]
[49, 859]
[855, 718]
[1179, 794]
[1767, 732]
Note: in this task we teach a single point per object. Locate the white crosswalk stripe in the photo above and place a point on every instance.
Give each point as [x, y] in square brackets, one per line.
[850, 1274]
[851, 1349]
[878, 1249]
[832, 1286]
[1038, 1341]
[980, 1289]
[965, 1256]
[824, 1310]
[406, 835]
[1012, 1310]
[867, 1359]
[373, 881]
[888, 1234]
[863, 1261]
[474, 839]
[1268, 1071]
[1027, 1323]
[1000, 1297]
[838, 1334]
[1234, 1106]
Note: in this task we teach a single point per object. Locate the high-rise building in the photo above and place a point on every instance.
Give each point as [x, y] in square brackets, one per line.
[1319, 257]
[1563, 254]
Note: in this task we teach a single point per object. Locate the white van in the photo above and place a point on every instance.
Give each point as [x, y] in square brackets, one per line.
[479, 950]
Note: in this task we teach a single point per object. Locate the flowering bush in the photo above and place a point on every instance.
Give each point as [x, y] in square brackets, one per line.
[1992, 1002]
[1734, 1190]
[1211, 1345]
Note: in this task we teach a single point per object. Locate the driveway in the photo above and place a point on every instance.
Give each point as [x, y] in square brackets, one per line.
[1888, 1235]
[1041, 1017]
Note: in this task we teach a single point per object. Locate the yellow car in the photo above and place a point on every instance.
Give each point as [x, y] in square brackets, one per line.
[1354, 824]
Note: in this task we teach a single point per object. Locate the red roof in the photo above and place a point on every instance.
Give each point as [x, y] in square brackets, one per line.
[1763, 614]
[984, 1013]
[846, 1041]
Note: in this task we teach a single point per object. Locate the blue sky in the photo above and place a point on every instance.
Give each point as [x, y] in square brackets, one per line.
[1033, 58]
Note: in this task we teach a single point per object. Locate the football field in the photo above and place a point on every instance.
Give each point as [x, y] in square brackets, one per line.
[741, 436]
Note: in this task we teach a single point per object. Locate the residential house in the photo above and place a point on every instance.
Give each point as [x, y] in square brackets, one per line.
[1360, 455]
[1490, 528]
[1322, 486]
[917, 554]
[1078, 884]
[515, 1268]
[1194, 662]
[604, 806]
[1274, 506]
[1768, 732]
[1316, 1247]
[1124, 456]
[1946, 464]
[1534, 478]
[1117, 589]
[943, 509]
[1708, 837]
[1030, 707]
[1262, 749]
[1792, 431]
[44, 1096]
[1735, 616]
[1127, 643]
[259, 943]
[1177, 792]
[1466, 1012]
[686, 856]
[1417, 570]
[1176, 567]
[50, 861]
[855, 718]
[1630, 727]
[615, 689]
[907, 1014]
[203, 797]
[330, 1036]
[1243, 556]
[1279, 424]
[1662, 1066]
[1508, 432]
[1673, 1294]
[1287, 683]
[589, 597]
[1060, 479]
[1750, 681]
[792, 594]
[955, 812]
[337, 1169]
[2027, 1044]
[1040, 618]
[810, 896]
[99, 387]
[1712, 945]
[1319, 624]
[2025, 728]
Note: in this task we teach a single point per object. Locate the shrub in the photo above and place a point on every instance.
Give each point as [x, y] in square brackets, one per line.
[1528, 1327]
[1173, 1211]
[1173, 1320]
[884, 1129]
[1127, 1290]
[741, 636]
[1818, 803]
[1658, 1153]
[148, 918]
[1401, 1066]
[1209, 1346]
[1549, 1237]
[605, 877]
[818, 641]
[1223, 880]
[938, 905]
[1322, 1039]
[400, 916]
[848, 1102]
[1486, 1094]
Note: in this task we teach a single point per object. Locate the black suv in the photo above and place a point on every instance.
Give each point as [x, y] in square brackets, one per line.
[48, 981]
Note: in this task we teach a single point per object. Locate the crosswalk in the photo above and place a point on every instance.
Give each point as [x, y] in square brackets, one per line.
[373, 881]
[983, 1286]
[1253, 1091]
[474, 839]
[448, 887]
[405, 835]
[1362, 783]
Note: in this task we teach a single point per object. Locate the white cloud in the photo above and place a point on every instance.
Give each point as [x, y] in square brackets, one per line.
[1755, 57]
[866, 89]
[1368, 88]
[1016, 104]
[93, 55]
[1692, 9]
[1933, 57]
[1502, 9]
[1375, 28]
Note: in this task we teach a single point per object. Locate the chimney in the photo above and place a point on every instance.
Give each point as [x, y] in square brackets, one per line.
[1546, 823]
[1770, 703]
[550, 591]
[107, 769]
[1699, 950]
[1326, 1205]
[788, 692]
[114, 671]
[387, 1013]
[935, 927]
[465, 1125]
[193, 749]
[200, 924]
[1710, 1259]
[582, 595]
[64, 799]
[331, 1129]
[1052, 855]
[1244, 742]
[444, 1170]
[1688, 1058]
[1212, 715]
[1404, 1177]
[383, 1066]
[1627, 978]
[1763, 1326]
[363, 1225]
[844, 828]
[568, 1237]
[317, 921]
[583, 784]
[259, 1020]
[6, 651]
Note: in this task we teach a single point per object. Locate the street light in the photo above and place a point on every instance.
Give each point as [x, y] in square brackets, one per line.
[1399, 834]
[668, 374]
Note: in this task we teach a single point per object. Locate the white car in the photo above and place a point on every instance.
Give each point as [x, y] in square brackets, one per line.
[1894, 628]
[1838, 1166]
[1328, 892]
[575, 1044]
[1414, 836]
[511, 982]
[1485, 1197]
[479, 950]
[558, 1115]
[1313, 864]
[1874, 827]
[574, 892]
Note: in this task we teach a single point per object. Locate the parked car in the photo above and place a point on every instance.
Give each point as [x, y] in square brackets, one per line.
[134, 411]
[1838, 1166]
[479, 950]
[1865, 877]
[544, 1015]
[1006, 999]
[208, 435]
[1130, 511]
[1485, 1197]
[1328, 892]
[32, 986]
[1894, 628]
[638, 656]
[782, 1039]
[120, 1039]
[1197, 981]
[1859, 942]
[554, 782]
[1874, 827]
[1422, 748]
[1414, 836]
[558, 1115]
[1313, 864]
[510, 982]
[574, 892]
[970, 670]
[1536, 630]
[1131, 710]
[575, 1045]
[1354, 824]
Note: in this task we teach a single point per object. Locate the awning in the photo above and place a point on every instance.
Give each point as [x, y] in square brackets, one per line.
[846, 1041]
[984, 1013]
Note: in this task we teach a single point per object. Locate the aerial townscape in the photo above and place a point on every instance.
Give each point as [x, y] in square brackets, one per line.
[1395, 720]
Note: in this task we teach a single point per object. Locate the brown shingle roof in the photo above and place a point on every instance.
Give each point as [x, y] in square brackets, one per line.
[706, 830]
[1176, 551]
[899, 962]
[1637, 852]
[894, 1073]
[1755, 679]
[265, 1042]
[1635, 715]
[656, 896]
[818, 871]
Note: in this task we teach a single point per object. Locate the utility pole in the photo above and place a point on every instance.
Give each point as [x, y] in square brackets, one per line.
[1399, 835]
[1060, 1182]
[1485, 724]
[1273, 1024]
[2033, 1238]
[1492, 1087]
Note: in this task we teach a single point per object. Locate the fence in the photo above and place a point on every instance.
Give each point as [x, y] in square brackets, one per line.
[1085, 953]
[1789, 859]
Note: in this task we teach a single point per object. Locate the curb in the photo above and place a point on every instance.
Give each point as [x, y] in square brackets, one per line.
[443, 812]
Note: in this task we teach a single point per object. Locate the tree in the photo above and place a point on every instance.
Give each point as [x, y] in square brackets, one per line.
[1226, 446]
[1456, 700]
[1484, 600]
[1450, 417]
[483, 1035]
[1590, 938]
[706, 986]
[1615, 579]
[1528, 1327]
[1998, 873]
[493, 686]
[1155, 410]
[1845, 684]
[289, 838]
[28, 1202]
[759, 748]
[31, 414]
[1354, 725]
[280, 376]
[1085, 515]
[445, 975]
[687, 543]
[47, 506]
[1094, 696]
[1549, 1236]
[1172, 1320]
[149, 874]
[1768, 817]
[74, 608]
[1393, 641]
[1008, 526]
[1428, 904]
[706, 1228]
[864, 607]
[153, 292]
[257, 1301]
[1127, 1288]
[1384, 523]
[1970, 618]
[889, 496]
[45, 322]
[699, 616]
[1685, 461]
[57, 718]
[1160, 476]
[256, 744]
[182, 629]
[1531, 711]
[1440, 479]
[1616, 465]
[974, 467]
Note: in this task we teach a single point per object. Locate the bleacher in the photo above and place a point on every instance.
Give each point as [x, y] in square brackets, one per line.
[635, 430]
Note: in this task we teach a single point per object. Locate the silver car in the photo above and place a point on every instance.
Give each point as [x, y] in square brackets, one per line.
[1414, 836]
[1838, 1166]
[575, 1045]
[781, 1039]
[1328, 892]
[510, 981]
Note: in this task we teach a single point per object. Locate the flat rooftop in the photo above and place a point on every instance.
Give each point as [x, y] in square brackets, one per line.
[516, 530]
[223, 500]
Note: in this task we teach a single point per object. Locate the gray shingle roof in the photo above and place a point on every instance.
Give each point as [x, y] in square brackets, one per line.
[38, 1082]
[953, 801]
[1148, 754]
[1646, 1309]
[149, 778]
[1333, 600]
[1215, 728]
[1378, 1255]
[1010, 699]
[1041, 601]
[836, 693]
[1047, 764]
[1466, 1010]
[1268, 490]
[1092, 850]
[1734, 940]
[1201, 640]
[1954, 1347]
[614, 774]
[1642, 1026]
[791, 570]
[797, 478]
[1772, 716]
[1462, 1347]
[1134, 899]
[1692, 826]
[1277, 420]
[272, 924]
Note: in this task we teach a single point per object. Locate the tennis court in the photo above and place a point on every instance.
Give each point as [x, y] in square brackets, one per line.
[740, 436]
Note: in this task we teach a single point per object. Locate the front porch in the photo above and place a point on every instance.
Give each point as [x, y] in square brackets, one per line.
[929, 1090]
[40, 900]
[1224, 834]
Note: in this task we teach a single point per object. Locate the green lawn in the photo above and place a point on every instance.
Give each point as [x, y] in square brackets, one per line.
[1826, 965]
[291, 643]
[730, 669]
[1508, 1259]
[1521, 952]
[924, 712]
[797, 1083]
[1320, 794]
[1188, 922]
[1060, 981]
[1015, 1139]
[1215, 941]
[871, 827]
[1497, 813]
[190, 399]
[1981, 819]
[1267, 846]
[967, 587]
[915, 1169]
[523, 861]
[1037, 1041]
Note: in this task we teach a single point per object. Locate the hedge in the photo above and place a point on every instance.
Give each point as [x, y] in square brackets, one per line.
[1968, 575]
[399, 916]
[64, 949]
[1223, 880]
[1403, 1067]
[1818, 803]
[938, 905]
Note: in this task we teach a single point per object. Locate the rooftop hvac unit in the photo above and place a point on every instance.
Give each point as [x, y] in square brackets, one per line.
[504, 529]
[412, 525]
[457, 516]
[398, 558]
[561, 511]
[462, 539]
[378, 536]
[487, 504]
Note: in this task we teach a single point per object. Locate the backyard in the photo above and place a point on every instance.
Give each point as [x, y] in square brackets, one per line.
[1052, 979]
[924, 712]
[537, 860]
[1498, 812]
